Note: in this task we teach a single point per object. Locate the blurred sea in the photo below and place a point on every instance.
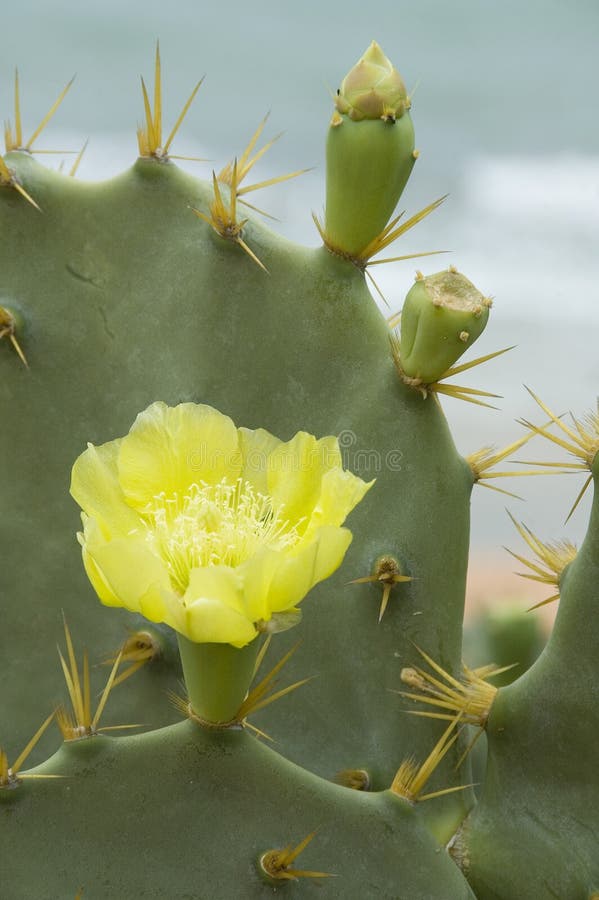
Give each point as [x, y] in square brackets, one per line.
[506, 119]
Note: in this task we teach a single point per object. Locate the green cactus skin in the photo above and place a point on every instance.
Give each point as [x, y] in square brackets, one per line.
[509, 636]
[534, 832]
[368, 166]
[154, 805]
[217, 677]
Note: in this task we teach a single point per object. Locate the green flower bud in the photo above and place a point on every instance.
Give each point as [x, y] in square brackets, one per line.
[373, 89]
[370, 154]
[442, 316]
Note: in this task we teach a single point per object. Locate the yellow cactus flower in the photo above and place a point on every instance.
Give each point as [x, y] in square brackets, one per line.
[211, 528]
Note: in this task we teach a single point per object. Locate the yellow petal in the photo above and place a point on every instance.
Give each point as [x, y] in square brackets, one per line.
[220, 582]
[332, 546]
[340, 492]
[92, 534]
[257, 574]
[98, 582]
[95, 486]
[213, 611]
[132, 574]
[209, 621]
[315, 560]
[170, 448]
[295, 471]
[256, 447]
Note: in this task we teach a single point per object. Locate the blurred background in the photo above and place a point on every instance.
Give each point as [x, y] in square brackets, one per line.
[505, 111]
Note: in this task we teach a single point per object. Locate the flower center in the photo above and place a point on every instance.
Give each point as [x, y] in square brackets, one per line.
[215, 524]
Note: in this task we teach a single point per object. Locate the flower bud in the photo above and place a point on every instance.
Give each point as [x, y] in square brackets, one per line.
[370, 154]
[443, 314]
[373, 89]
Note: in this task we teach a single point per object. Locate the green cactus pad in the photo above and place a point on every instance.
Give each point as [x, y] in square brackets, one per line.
[154, 323]
[185, 812]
